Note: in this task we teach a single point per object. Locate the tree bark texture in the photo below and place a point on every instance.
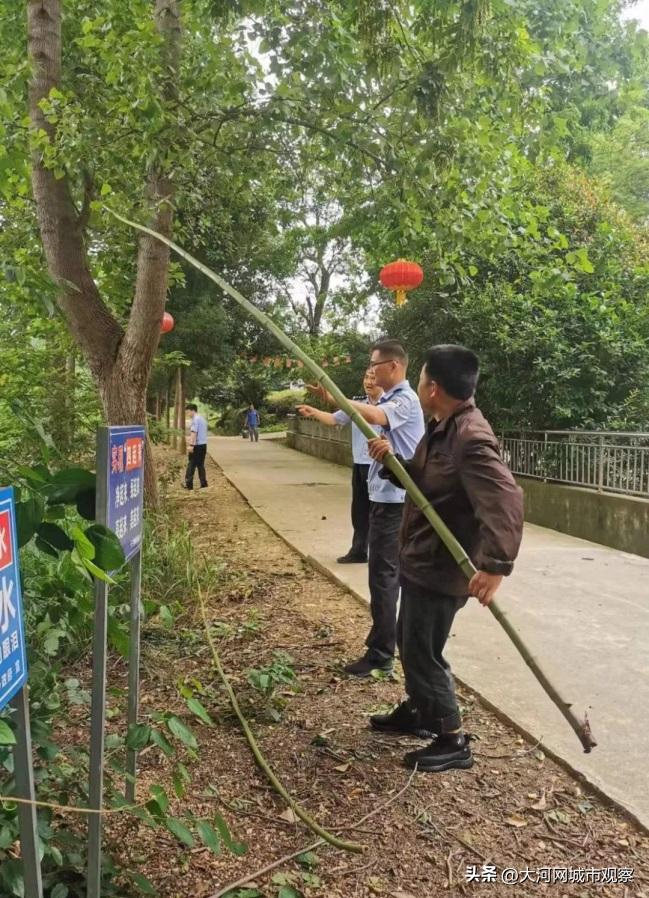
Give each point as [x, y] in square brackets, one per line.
[120, 359]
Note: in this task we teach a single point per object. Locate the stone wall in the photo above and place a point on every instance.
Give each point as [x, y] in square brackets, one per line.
[615, 520]
[331, 443]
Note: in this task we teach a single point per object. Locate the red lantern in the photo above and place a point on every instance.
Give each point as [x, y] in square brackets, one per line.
[167, 323]
[401, 276]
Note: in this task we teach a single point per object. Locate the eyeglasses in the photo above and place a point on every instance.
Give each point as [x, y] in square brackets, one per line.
[376, 364]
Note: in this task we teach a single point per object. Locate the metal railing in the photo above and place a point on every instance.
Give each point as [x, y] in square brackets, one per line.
[601, 460]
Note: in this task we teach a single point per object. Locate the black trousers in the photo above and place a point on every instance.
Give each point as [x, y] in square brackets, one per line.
[425, 620]
[196, 461]
[385, 524]
[360, 510]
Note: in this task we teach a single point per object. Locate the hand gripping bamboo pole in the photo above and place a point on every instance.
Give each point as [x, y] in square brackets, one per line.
[581, 727]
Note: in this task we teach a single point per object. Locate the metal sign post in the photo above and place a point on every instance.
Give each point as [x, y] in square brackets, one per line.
[13, 687]
[120, 491]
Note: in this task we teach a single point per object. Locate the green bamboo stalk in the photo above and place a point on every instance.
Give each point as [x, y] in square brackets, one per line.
[580, 727]
[276, 783]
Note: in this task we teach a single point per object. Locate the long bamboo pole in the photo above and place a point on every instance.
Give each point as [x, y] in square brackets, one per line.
[580, 727]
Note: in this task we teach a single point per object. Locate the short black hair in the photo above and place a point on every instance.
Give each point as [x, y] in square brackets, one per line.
[455, 368]
[391, 348]
[191, 407]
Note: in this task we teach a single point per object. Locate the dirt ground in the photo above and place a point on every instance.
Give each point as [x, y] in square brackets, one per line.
[433, 834]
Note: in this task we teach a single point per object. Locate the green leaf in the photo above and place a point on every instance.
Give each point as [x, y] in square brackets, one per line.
[166, 616]
[161, 797]
[109, 555]
[45, 547]
[86, 504]
[29, 515]
[309, 859]
[55, 537]
[84, 547]
[163, 743]
[7, 736]
[237, 848]
[54, 513]
[7, 837]
[143, 884]
[11, 873]
[289, 892]
[208, 836]
[97, 572]
[197, 708]
[177, 828]
[67, 485]
[59, 891]
[181, 731]
[138, 736]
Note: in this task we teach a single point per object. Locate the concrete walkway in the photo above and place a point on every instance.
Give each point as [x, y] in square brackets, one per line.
[582, 608]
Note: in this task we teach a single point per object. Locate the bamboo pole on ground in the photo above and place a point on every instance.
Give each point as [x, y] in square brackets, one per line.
[580, 727]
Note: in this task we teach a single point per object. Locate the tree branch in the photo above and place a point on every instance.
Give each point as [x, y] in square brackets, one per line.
[90, 322]
[143, 330]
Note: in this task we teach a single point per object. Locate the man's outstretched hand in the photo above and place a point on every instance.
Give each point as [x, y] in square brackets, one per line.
[322, 394]
[484, 586]
[379, 448]
[307, 411]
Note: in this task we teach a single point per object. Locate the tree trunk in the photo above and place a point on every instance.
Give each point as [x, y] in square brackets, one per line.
[120, 360]
[183, 428]
[168, 409]
[176, 435]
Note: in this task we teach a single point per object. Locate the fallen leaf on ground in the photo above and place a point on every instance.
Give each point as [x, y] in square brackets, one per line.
[289, 815]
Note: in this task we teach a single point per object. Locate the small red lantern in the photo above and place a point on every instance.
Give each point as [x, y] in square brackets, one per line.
[401, 276]
[167, 323]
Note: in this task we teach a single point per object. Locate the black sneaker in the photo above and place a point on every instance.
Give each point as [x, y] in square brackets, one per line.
[444, 753]
[403, 720]
[185, 487]
[364, 666]
[352, 558]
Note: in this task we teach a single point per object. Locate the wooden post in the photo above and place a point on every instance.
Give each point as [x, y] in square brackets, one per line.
[183, 438]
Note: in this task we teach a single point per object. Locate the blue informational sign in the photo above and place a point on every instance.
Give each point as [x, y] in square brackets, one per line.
[13, 659]
[126, 486]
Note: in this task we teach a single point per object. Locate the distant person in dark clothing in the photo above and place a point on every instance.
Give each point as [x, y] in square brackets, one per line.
[197, 448]
[252, 423]
[458, 467]
[362, 462]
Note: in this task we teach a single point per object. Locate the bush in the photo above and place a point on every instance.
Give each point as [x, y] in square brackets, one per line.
[282, 402]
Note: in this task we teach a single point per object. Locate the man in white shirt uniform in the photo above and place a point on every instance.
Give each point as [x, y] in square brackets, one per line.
[197, 448]
[399, 418]
[362, 462]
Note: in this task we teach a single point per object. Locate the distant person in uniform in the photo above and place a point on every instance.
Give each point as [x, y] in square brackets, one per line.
[399, 418]
[252, 423]
[362, 462]
[197, 448]
[459, 469]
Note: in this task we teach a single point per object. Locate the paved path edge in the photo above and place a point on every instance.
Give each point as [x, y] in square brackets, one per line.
[591, 782]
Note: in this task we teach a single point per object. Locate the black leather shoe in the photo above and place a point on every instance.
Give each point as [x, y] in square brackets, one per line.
[444, 753]
[403, 720]
[364, 666]
[352, 558]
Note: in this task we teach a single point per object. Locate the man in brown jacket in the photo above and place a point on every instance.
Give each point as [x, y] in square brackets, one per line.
[457, 465]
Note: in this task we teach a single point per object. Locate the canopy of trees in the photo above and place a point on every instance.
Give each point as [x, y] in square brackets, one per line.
[296, 148]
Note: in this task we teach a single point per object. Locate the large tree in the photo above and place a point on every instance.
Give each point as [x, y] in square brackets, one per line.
[120, 357]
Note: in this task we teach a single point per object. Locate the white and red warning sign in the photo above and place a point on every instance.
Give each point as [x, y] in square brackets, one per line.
[13, 660]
